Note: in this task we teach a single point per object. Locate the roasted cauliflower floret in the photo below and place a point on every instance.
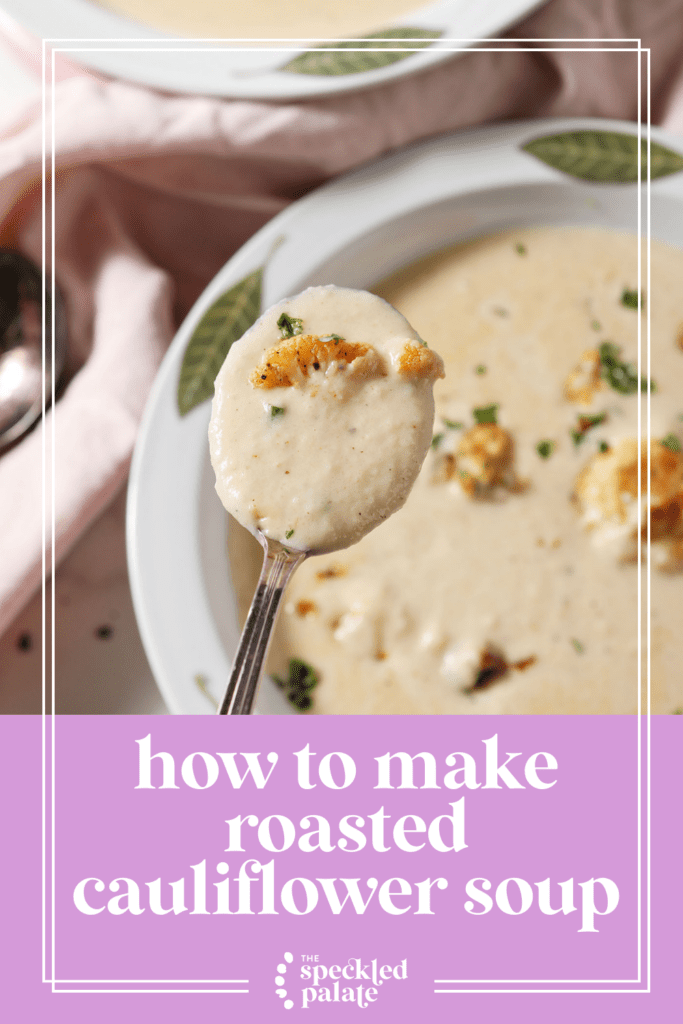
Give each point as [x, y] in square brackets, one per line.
[416, 360]
[470, 665]
[585, 380]
[290, 363]
[607, 493]
[484, 459]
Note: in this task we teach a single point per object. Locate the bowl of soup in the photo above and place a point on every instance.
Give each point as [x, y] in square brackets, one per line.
[512, 580]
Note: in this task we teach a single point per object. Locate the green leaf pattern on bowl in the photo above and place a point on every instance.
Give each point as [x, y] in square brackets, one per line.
[604, 156]
[224, 322]
[348, 58]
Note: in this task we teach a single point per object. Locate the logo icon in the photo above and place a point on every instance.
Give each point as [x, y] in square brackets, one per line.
[280, 980]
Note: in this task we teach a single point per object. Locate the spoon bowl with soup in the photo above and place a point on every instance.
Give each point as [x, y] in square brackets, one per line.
[322, 416]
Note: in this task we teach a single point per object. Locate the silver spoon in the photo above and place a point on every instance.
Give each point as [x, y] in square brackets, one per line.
[278, 565]
[21, 349]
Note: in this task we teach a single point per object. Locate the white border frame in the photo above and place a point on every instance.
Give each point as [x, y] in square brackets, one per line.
[48, 501]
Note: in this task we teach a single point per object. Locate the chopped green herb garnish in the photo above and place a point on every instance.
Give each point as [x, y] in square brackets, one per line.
[621, 377]
[584, 424]
[629, 298]
[486, 414]
[603, 447]
[437, 439]
[332, 337]
[521, 249]
[596, 325]
[672, 443]
[677, 711]
[577, 645]
[276, 410]
[545, 449]
[290, 533]
[500, 311]
[457, 425]
[289, 325]
[301, 679]
[481, 369]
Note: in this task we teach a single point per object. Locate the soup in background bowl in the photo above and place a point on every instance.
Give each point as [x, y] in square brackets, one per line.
[272, 19]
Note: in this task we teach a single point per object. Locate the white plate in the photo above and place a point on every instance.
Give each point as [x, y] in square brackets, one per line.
[353, 232]
[86, 32]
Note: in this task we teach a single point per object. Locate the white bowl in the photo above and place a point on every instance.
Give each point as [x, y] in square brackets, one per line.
[352, 232]
[110, 43]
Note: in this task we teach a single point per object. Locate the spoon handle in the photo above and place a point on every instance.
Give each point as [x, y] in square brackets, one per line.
[278, 565]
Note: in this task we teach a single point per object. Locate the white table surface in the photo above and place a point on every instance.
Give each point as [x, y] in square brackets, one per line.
[100, 665]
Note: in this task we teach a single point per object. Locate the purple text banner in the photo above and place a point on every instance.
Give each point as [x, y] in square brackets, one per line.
[261, 866]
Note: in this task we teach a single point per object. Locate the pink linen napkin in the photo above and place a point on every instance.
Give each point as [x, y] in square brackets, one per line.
[154, 193]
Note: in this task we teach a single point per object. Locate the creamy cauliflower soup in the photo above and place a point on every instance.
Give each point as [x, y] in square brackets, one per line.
[274, 19]
[322, 417]
[508, 581]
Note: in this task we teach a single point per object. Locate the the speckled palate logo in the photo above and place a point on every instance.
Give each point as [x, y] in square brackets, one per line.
[311, 982]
